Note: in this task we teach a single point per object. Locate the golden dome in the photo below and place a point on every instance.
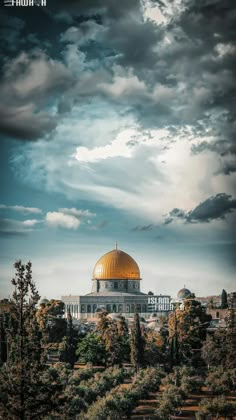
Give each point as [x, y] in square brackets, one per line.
[116, 264]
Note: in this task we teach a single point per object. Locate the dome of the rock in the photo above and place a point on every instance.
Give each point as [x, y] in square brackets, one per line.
[116, 265]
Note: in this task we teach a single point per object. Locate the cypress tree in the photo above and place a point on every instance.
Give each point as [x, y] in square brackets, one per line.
[24, 391]
[137, 343]
[224, 300]
[68, 354]
[174, 344]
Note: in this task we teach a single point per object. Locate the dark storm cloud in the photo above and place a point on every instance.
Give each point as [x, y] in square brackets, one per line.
[227, 168]
[222, 147]
[24, 123]
[214, 208]
[10, 32]
[177, 213]
[178, 73]
[29, 82]
[111, 8]
[143, 228]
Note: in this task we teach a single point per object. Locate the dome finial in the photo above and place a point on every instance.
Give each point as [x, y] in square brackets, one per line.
[116, 245]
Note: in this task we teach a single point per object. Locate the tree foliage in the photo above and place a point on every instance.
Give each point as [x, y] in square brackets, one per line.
[224, 300]
[24, 390]
[69, 344]
[91, 349]
[51, 321]
[214, 350]
[154, 352]
[114, 334]
[218, 406]
[137, 343]
[230, 361]
[187, 329]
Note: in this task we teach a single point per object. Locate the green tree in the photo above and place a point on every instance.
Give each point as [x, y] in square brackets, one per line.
[189, 325]
[224, 299]
[137, 343]
[114, 334]
[91, 349]
[231, 340]
[69, 345]
[217, 407]
[174, 343]
[51, 321]
[154, 349]
[219, 381]
[24, 392]
[214, 349]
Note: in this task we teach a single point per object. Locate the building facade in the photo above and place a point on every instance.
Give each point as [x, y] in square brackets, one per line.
[116, 289]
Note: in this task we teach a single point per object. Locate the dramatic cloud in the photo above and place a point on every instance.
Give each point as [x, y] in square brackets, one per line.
[118, 147]
[222, 147]
[227, 168]
[126, 108]
[213, 208]
[29, 80]
[21, 209]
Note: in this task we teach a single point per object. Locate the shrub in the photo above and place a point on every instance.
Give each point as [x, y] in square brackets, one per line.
[218, 381]
[81, 394]
[119, 403]
[218, 406]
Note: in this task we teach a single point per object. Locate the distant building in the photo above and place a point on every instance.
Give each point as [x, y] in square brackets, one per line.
[116, 289]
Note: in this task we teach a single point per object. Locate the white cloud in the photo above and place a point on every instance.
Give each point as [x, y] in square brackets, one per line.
[21, 209]
[31, 222]
[58, 219]
[225, 49]
[118, 147]
[77, 213]
[154, 13]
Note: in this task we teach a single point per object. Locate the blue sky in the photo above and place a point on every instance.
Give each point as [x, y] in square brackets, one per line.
[117, 122]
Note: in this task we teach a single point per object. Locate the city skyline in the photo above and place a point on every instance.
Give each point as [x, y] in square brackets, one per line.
[118, 123]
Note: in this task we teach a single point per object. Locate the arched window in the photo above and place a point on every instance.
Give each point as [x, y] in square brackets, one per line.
[138, 307]
[108, 307]
[115, 285]
[94, 308]
[89, 308]
[127, 308]
[144, 308]
[82, 308]
[114, 308]
[132, 308]
[120, 308]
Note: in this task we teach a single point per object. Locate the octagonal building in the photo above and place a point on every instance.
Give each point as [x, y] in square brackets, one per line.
[116, 289]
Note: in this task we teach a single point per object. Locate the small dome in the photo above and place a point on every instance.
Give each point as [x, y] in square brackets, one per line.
[116, 265]
[183, 293]
[44, 301]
